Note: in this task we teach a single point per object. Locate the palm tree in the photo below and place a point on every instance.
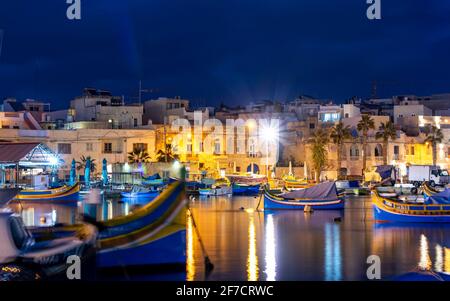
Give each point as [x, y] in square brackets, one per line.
[168, 154]
[138, 156]
[387, 131]
[434, 136]
[319, 141]
[339, 133]
[364, 125]
[82, 163]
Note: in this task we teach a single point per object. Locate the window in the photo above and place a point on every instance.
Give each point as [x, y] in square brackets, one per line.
[378, 151]
[412, 151]
[89, 147]
[139, 147]
[64, 148]
[312, 126]
[135, 122]
[217, 146]
[396, 150]
[354, 151]
[107, 148]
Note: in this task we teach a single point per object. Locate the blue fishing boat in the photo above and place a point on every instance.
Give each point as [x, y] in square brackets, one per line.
[323, 196]
[389, 207]
[245, 189]
[154, 234]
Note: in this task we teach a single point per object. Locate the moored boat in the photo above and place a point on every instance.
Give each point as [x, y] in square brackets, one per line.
[390, 207]
[245, 189]
[323, 196]
[62, 193]
[140, 192]
[153, 235]
[291, 183]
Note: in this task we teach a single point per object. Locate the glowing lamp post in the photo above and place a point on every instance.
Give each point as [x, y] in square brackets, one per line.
[268, 134]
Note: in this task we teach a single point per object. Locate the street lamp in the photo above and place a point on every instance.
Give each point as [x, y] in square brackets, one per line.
[268, 134]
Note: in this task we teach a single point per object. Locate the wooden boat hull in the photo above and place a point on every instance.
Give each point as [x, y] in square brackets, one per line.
[272, 202]
[387, 210]
[238, 189]
[152, 235]
[65, 193]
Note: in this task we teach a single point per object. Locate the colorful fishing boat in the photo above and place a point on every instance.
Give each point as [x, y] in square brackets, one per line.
[245, 189]
[63, 193]
[323, 196]
[395, 208]
[291, 183]
[153, 235]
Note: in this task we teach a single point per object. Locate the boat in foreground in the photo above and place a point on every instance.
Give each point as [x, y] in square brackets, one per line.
[393, 207]
[154, 234]
[41, 252]
[62, 193]
[323, 196]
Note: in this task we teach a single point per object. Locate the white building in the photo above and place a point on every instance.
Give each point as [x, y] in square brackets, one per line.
[101, 106]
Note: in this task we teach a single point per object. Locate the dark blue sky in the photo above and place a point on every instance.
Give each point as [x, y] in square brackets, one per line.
[233, 51]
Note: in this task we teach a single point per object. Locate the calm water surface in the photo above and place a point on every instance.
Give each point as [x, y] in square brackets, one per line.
[245, 244]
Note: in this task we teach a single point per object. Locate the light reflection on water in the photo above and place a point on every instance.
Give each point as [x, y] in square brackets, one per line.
[252, 259]
[281, 245]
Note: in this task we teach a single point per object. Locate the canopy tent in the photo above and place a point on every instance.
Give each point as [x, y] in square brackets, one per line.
[31, 154]
[385, 171]
[322, 191]
[442, 197]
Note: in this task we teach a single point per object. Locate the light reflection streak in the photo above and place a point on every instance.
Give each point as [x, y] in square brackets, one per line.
[270, 258]
[425, 261]
[110, 210]
[252, 259]
[190, 262]
[438, 264]
[333, 258]
[447, 260]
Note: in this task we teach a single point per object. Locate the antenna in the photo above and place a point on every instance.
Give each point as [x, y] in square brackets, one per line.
[144, 91]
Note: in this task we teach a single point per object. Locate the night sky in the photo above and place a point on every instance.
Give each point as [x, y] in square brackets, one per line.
[230, 51]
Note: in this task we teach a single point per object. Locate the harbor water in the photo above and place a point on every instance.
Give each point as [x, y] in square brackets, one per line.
[248, 244]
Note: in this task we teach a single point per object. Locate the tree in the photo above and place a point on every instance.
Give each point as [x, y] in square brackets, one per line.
[386, 131]
[82, 163]
[138, 156]
[434, 136]
[319, 141]
[364, 126]
[340, 133]
[161, 155]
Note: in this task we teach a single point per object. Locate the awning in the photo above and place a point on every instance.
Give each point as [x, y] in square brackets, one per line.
[322, 191]
[27, 154]
[442, 197]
